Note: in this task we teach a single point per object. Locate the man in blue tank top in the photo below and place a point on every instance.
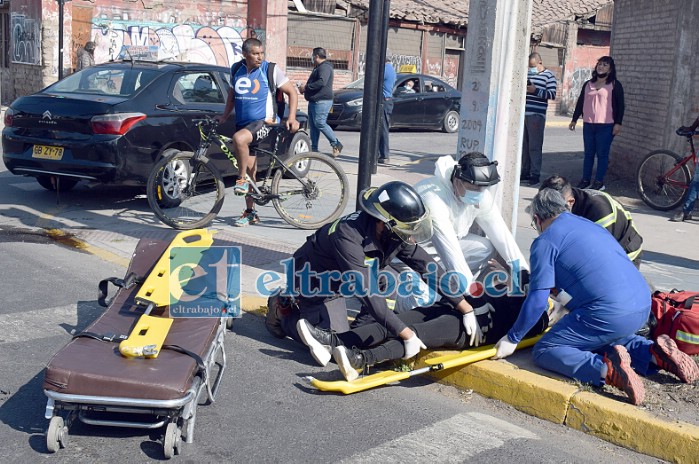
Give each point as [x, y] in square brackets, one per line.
[253, 101]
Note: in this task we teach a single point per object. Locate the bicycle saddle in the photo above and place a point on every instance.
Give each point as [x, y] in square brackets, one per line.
[686, 132]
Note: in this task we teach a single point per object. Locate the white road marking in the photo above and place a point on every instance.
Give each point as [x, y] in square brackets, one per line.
[37, 323]
[452, 440]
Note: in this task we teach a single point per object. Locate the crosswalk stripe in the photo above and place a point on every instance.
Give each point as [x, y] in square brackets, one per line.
[39, 323]
[452, 440]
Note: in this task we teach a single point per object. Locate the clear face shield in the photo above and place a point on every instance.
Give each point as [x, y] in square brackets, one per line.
[414, 232]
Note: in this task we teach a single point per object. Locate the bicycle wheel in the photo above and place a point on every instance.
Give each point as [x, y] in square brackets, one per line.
[185, 193]
[318, 198]
[658, 187]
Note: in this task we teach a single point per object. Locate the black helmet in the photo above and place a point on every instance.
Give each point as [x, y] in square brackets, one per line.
[475, 168]
[399, 206]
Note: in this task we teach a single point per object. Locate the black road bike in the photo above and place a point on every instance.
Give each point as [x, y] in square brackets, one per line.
[186, 191]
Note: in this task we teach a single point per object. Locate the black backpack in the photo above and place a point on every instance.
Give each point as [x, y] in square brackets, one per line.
[278, 101]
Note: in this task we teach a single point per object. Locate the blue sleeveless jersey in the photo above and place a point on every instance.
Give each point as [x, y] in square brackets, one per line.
[253, 100]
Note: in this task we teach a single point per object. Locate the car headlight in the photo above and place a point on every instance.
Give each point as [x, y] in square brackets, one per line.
[357, 102]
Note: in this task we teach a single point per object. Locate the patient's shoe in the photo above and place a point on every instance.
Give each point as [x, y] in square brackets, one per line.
[351, 362]
[318, 340]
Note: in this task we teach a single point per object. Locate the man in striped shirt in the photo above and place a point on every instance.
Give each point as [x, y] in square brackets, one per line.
[541, 87]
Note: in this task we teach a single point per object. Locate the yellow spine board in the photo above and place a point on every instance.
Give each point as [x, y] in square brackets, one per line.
[156, 288]
[148, 335]
[368, 382]
[146, 338]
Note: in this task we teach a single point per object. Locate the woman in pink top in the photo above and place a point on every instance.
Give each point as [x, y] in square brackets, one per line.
[601, 105]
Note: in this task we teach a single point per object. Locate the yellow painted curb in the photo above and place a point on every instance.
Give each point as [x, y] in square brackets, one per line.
[253, 304]
[70, 240]
[631, 427]
[531, 393]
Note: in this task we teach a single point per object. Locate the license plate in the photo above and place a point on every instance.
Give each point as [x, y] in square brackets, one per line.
[46, 152]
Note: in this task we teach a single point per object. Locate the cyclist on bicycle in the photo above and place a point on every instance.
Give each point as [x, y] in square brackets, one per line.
[693, 194]
[253, 99]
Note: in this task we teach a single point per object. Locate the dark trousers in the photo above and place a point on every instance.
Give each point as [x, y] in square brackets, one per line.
[384, 150]
[532, 145]
[438, 326]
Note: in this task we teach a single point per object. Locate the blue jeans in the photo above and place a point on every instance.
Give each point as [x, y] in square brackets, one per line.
[318, 117]
[693, 194]
[597, 139]
[574, 345]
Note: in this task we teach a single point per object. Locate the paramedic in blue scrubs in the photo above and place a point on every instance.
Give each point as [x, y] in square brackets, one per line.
[596, 343]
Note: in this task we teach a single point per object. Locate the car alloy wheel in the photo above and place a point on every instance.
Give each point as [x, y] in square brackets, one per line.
[451, 122]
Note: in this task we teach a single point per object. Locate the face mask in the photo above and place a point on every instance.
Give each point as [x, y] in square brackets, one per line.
[471, 197]
[533, 70]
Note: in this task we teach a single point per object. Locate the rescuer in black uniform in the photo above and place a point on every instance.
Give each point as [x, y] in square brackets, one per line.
[601, 209]
[391, 223]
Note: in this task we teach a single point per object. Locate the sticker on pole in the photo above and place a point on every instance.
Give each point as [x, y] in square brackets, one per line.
[205, 281]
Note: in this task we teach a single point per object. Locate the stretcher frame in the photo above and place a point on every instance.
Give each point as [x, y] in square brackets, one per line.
[179, 414]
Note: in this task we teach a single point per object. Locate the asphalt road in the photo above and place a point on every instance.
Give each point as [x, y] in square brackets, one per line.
[264, 412]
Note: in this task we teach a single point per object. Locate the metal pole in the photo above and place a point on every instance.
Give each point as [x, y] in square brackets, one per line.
[60, 38]
[372, 89]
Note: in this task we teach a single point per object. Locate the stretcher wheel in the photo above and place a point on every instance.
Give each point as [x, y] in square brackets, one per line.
[172, 441]
[57, 435]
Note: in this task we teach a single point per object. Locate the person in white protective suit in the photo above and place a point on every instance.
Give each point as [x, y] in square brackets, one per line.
[457, 196]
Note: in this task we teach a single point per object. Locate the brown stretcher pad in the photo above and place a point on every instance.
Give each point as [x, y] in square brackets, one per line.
[86, 366]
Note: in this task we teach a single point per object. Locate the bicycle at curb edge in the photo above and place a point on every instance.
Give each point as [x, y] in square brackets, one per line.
[663, 177]
[186, 191]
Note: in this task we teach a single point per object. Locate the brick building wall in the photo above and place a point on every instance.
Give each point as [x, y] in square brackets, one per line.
[654, 45]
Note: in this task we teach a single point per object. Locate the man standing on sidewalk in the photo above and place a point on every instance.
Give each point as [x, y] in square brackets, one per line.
[318, 91]
[541, 87]
[389, 80]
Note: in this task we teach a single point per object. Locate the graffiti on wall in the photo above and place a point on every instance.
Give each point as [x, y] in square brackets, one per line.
[219, 42]
[577, 79]
[26, 39]
[170, 42]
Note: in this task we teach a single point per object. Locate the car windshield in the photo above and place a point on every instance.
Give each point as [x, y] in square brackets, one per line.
[105, 81]
[358, 84]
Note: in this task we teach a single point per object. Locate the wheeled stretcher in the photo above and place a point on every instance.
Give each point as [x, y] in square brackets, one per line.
[92, 381]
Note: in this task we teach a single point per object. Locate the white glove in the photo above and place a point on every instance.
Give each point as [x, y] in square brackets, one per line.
[558, 309]
[412, 346]
[504, 347]
[472, 329]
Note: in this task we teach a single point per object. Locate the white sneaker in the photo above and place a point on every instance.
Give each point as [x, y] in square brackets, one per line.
[320, 352]
[343, 362]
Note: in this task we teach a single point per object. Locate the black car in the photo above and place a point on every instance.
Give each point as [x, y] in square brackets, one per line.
[419, 101]
[110, 123]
